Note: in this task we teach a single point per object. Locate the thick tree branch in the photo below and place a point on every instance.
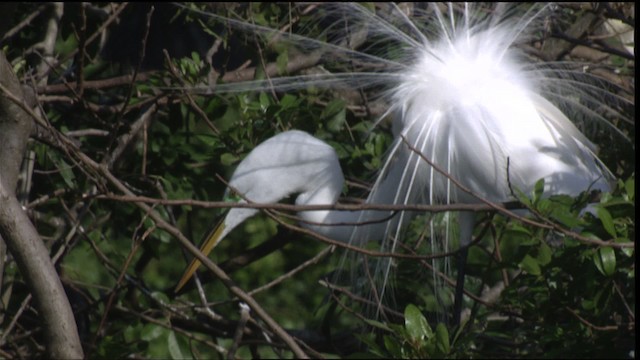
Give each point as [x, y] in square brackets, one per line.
[22, 239]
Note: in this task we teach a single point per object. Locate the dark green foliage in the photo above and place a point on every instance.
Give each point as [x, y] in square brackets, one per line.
[564, 298]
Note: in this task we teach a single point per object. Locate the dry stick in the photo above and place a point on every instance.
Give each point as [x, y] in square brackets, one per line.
[124, 140]
[304, 265]
[87, 132]
[320, 237]
[354, 248]
[94, 84]
[287, 207]
[24, 23]
[110, 109]
[624, 301]
[374, 290]
[187, 334]
[123, 272]
[237, 337]
[23, 306]
[82, 38]
[357, 298]
[290, 207]
[590, 325]
[263, 65]
[203, 300]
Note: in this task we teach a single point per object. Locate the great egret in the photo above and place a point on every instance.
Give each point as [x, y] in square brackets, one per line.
[292, 162]
[289, 163]
[462, 95]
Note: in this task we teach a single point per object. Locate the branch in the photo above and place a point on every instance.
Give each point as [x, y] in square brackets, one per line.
[23, 241]
[103, 171]
[512, 205]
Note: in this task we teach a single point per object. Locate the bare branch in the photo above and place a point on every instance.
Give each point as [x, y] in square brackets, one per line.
[21, 236]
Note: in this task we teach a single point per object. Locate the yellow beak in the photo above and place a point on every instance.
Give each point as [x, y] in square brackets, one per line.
[210, 242]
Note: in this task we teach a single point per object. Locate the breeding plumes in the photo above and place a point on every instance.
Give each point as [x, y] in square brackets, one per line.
[466, 103]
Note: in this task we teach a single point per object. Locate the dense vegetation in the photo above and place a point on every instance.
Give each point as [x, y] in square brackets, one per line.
[126, 160]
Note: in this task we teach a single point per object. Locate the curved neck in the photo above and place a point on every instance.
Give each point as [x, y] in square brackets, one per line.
[334, 224]
[341, 225]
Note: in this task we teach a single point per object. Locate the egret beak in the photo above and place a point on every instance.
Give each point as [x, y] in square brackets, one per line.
[210, 242]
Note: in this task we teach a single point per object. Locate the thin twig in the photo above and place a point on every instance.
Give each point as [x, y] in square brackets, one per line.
[587, 323]
[297, 208]
[24, 23]
[314, 260]
[237, 337]
[624, 301]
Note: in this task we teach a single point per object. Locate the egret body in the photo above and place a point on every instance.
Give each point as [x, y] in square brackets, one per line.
[464, 97]
[289, 163]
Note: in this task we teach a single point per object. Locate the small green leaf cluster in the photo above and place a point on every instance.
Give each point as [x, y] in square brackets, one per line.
[416, 339]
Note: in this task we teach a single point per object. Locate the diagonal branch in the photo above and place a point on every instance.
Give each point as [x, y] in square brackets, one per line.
[22, 239]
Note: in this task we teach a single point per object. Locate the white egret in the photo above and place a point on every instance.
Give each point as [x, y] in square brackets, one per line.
[462, 95]
[292, 162]
[289, 163]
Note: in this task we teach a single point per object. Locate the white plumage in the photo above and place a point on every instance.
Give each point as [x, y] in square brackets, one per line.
[464, 97]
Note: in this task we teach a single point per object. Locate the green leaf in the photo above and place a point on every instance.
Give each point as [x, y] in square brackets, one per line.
[230, 119]
[288, 101]
[174, 347]
[378, 324]
[282, 61]
[442, 339]
[336, 114]
[132, 333]
[530, 265]
[373, 347]
[416, 324]
[538, 189]
[522, 197]
[160, 297]
[228, 159]
[607, 220]
[392, 346]
[544, 254]
[543, 206]
[264, 101]
[332, 108]
[605, 260]
[630, 187]
[150, 332]
[562, 213]
[336, 123]
[587, 304]
[64, 168]
[516, 243]
[628, 251]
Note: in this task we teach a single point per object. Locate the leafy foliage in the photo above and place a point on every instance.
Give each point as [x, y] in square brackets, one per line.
[565, 293]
